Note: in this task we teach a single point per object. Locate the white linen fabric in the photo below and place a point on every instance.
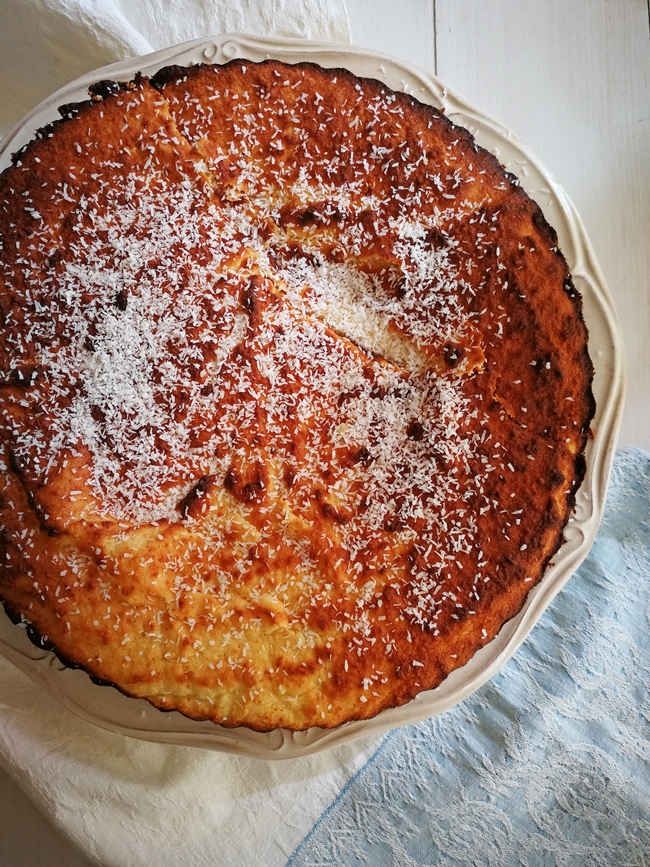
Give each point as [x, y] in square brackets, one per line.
[123, 802]
[127, 803]
[44, 44]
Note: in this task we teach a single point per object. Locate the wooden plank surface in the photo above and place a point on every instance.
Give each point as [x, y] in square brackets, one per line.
[401, 28]
[573, 81]
[26, 838]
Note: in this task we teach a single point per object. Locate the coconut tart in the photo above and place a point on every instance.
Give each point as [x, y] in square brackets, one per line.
[294, 393]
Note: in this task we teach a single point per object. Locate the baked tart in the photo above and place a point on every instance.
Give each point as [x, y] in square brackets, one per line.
[294, 393]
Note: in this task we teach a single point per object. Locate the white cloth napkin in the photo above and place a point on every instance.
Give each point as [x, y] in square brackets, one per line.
[128, 803]
[123, 802]
[44, 44]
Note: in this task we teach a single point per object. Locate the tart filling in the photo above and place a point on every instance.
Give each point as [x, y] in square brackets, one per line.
[294, 393]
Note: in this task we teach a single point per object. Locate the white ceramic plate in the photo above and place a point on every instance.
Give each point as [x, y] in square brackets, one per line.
[108, 708]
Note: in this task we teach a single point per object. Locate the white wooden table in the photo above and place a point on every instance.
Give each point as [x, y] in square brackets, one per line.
[572, 79]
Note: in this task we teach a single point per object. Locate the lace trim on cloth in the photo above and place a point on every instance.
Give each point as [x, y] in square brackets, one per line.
[549, 762]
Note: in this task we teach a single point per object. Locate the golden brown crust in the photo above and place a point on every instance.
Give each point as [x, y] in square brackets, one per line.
[294, 393]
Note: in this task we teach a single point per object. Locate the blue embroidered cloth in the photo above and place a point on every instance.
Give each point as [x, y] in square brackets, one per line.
[549, 762]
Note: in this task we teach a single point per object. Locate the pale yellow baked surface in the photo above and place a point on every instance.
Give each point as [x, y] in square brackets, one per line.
[294, 393]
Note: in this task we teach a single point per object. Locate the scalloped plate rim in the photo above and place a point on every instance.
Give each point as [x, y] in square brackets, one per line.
[281, 743]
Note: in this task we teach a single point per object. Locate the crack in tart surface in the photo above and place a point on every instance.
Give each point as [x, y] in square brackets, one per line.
[294, 393]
